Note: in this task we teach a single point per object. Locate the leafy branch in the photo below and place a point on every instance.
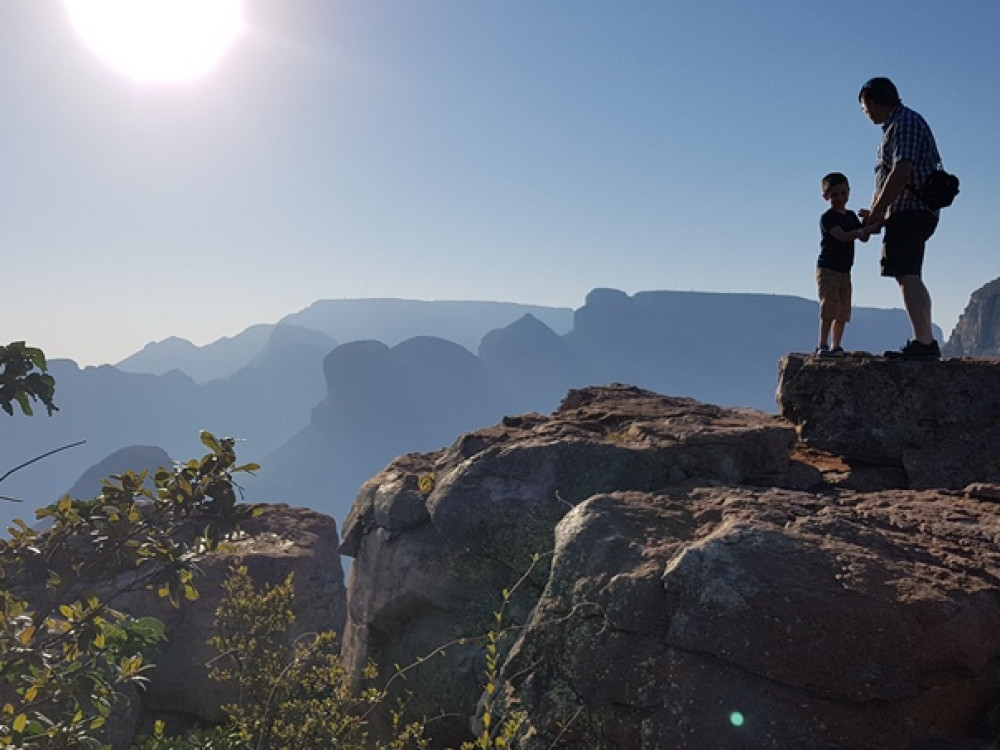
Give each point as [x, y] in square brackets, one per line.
[24, 378]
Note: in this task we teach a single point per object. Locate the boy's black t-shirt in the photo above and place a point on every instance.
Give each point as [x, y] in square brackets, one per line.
[835, 255]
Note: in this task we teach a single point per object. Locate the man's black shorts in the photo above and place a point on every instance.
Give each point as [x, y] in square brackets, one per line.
[905, 236]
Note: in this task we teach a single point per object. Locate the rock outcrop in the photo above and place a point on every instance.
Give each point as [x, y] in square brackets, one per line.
[282, 540]
[680, 575]
[937, 421]
[977, 333]
[431, 565]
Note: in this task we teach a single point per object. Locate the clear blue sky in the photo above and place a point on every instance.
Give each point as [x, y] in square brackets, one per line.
[519, 150]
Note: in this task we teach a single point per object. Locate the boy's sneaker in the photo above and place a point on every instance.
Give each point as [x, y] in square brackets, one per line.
[915, 350]
[822, 351]
[837, 351]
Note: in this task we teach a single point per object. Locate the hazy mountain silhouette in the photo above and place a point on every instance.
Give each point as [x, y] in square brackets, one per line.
[137, 458]
[394, 320]
[201, 363]
[977, 333]
[322, 418]
[387, 320]
[534, 366]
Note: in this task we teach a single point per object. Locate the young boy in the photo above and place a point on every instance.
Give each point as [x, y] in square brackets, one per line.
[839, 228]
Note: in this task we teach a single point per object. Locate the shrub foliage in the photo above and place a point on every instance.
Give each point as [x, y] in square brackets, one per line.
[66, 653]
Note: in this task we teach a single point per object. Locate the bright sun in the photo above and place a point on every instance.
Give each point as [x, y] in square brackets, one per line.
[158, 40]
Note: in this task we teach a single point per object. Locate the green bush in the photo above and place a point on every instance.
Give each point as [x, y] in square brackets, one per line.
[66, 654]
[294, 693]
[215, 738]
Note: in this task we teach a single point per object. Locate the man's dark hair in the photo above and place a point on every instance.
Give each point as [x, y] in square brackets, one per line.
[880, 91]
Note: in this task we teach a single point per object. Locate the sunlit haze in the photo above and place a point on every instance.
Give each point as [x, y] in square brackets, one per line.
[285, 152]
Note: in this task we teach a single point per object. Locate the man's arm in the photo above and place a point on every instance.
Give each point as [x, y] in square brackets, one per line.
[894, 186]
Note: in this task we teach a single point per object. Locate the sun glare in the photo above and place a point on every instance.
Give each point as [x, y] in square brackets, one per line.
[158, 40]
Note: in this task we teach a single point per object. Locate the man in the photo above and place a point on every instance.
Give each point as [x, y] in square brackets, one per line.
[906, 155]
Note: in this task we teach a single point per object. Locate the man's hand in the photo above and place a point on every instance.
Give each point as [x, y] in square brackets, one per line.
[872, 218]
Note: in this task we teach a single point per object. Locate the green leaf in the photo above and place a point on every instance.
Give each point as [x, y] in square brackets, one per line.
[22, 399]
[37, 357]
[25, 635]
[209, 441]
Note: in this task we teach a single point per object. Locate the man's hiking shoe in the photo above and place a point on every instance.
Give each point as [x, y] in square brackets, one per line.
[915, 350]
[827, 353]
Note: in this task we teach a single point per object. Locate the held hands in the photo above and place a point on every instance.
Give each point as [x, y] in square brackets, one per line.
[872, 218]
[872, 222]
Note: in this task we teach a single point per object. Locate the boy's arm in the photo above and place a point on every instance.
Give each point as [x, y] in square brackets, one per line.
[855, 234]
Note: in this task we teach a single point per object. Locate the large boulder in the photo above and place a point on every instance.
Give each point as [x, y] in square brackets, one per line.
[763, 618]
[936, 420]
[282, 540]
[437, 538]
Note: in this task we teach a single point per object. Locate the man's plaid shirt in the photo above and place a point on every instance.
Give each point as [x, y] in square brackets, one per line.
[906, 136]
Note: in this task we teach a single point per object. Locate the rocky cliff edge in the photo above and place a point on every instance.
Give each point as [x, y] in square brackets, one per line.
[672, 574]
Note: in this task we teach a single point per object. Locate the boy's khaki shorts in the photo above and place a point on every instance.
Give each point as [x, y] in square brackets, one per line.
[834, 294]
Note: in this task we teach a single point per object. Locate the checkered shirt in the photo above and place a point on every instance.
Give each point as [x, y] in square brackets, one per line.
[906, 136]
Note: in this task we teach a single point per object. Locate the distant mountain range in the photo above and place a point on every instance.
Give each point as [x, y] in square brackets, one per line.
[330, 321]
[328, 396]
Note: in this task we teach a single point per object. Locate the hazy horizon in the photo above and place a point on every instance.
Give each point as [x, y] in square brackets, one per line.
[236, 334]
